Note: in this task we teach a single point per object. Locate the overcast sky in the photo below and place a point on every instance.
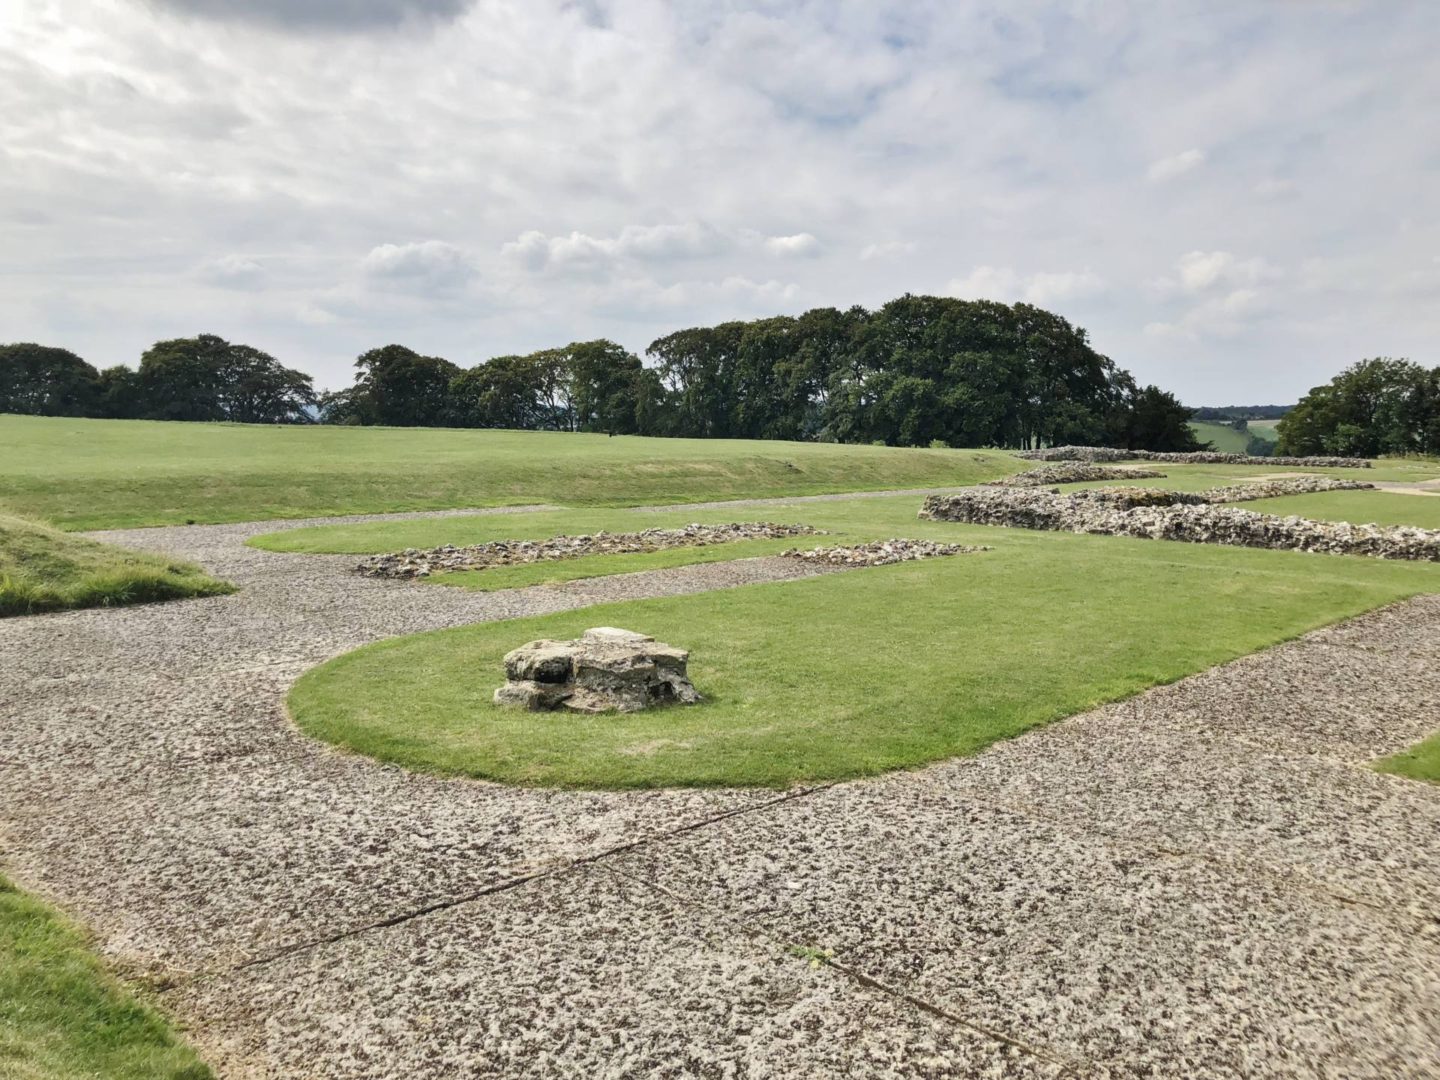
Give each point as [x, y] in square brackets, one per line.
[1235, 199]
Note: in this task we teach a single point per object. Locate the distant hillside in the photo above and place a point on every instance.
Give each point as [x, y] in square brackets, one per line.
[1238, 436]
[1222, 437]
[1224, 413]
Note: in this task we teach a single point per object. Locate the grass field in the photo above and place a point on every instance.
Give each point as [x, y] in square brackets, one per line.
[91, 474]
[62, 1017]
[1359, 507]
[1420, 762]
[1221, 436]
[853, 673]
[42, 569]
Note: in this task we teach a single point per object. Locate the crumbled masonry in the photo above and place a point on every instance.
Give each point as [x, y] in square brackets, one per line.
[880, 552]
[417, 563]
[1126, 498]
[606, 669]
[1083, 512]
[1071, 472]
[1200, 457]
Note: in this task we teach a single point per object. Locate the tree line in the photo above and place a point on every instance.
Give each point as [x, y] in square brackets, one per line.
[1374, 407]
[918, 371]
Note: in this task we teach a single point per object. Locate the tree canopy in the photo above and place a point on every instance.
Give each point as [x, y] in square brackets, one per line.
[1374, 407]
[41, 380]
[918, 371]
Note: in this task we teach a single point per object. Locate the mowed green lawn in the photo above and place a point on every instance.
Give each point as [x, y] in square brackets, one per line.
[62, 1017]
[1359, 507]
[854, 673]
[89, 474]
[1420, 762]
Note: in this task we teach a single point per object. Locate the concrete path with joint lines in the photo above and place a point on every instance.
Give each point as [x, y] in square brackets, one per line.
[1201, 881]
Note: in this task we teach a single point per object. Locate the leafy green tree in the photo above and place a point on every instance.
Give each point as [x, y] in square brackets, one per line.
[117, 393]
[402, 388]
[209, 378]
[256, 389]
[604, 386]
[42, 380]
[1152, 419]
[1377, 406]
[181, 379]
[500, 393]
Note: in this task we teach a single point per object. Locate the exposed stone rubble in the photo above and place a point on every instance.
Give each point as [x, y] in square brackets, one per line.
[418, 563]
[1210, 457]
[1076, 453]
[1126, 498]
[1200, 457]
[1206, 524]
[604, 670]
[1071, 472]
[880, 552]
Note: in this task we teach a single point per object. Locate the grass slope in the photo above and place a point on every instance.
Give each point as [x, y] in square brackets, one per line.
[113, 473]
[42, 569]
[1420, 762]
[853, 673]
[1222, 436]
[1359, 507]
[62, 1017]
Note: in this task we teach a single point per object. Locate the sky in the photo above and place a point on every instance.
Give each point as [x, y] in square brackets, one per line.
[1236, 200]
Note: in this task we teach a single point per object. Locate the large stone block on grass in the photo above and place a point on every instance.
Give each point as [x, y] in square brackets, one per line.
[604, 670]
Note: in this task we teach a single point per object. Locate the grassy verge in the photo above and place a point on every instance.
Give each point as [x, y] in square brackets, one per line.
[88, 474]
[1359, 507]
[1420, 762]
[553, 573]
[62, 1017]
[855, 673]
[42, 569]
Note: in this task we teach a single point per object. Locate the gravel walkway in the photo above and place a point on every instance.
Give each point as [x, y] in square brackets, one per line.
[1201, 881]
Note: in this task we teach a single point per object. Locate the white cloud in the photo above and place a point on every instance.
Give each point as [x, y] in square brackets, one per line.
[1009, 286]
[888, 249]
[537, 251]
[1178, 165]
[802, 244]
[1200, 271]
[232, 272]
[428, 264]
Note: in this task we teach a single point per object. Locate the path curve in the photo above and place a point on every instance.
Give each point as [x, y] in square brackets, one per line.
[1200, 881]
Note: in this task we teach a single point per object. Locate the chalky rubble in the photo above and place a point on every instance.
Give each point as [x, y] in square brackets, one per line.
[418, 563]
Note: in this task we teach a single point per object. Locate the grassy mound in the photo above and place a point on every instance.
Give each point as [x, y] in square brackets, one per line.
[855, 673]
[43, 569]
[62, 1017]
[92, 474]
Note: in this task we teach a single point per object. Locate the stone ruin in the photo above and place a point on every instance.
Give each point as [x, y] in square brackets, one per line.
[1127, 498]
[879, 553]
[421, 563]
[1096, 454]
[604, 670]
[1203, 523]
[1072, 472]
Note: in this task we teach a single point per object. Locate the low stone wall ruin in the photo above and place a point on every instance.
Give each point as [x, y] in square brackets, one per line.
[880, 552]
[1081, 512]
[1200, 457]
[1072, 472]
[416, 563]
[1126, 498]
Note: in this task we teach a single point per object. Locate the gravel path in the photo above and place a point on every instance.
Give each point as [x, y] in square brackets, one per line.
[1201, 881]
